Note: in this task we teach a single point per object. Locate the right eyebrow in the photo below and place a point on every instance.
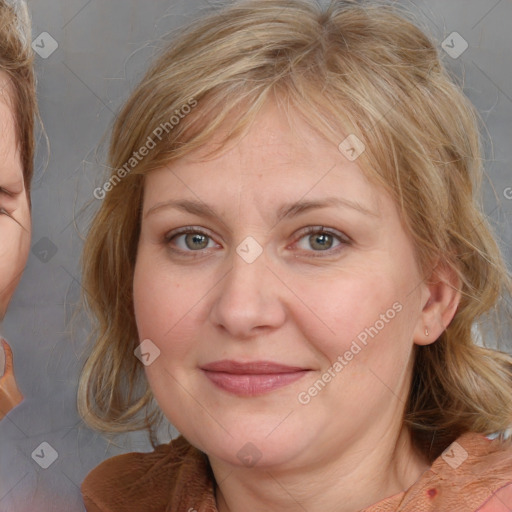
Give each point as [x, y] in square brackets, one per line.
[185, 205]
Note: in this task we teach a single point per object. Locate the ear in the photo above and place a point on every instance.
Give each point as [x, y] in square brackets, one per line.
[440, 299]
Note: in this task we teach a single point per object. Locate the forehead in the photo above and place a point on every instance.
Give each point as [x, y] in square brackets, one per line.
[278, 160]
[281, 133]
[10, 164]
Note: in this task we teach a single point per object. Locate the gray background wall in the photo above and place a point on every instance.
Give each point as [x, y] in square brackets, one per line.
[103, 49]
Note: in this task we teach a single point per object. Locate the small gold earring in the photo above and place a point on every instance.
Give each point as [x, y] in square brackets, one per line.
[426, 331]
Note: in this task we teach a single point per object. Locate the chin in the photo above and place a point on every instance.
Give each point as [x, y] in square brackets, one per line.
[253, 449]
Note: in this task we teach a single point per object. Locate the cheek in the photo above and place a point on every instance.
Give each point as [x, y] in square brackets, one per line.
[340, 307]
[167, 304]
[167, 309]
[366, 314]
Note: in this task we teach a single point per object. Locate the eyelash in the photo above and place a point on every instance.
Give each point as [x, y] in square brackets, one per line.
[343, 239]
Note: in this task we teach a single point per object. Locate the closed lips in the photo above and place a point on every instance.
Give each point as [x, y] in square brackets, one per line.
[253, 378]
[256, 367]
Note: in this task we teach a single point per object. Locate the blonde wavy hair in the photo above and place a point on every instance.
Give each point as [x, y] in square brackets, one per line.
[360, 68]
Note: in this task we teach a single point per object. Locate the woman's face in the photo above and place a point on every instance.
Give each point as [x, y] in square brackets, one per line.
[14, 209]
[298, 263]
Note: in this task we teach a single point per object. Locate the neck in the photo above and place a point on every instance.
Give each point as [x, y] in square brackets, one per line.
[363, 475]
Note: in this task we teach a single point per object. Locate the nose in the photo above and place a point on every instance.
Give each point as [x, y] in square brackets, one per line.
[249, 300]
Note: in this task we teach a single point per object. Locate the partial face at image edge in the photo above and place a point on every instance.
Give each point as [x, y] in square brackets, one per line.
[15, 224]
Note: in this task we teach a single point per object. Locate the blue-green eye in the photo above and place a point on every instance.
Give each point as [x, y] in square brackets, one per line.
[318, 239]
[321, 241]
[190, 239]
[195, 241]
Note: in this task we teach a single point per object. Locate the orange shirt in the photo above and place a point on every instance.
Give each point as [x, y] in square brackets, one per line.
[474, 474]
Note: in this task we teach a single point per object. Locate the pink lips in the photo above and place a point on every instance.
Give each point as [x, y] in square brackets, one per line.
[254, 378]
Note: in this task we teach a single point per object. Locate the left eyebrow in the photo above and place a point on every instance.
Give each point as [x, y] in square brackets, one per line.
[293, 209]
